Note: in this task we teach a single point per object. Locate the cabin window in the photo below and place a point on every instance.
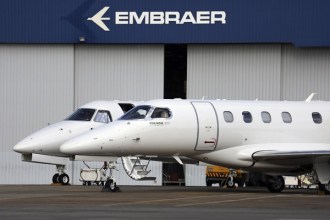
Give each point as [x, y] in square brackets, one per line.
[247, 117]
[161, 113]
[286, 117]
[228, 116]
[103, 116]
[139, 112]
[266, 117]
[317, 118]
[82, 114]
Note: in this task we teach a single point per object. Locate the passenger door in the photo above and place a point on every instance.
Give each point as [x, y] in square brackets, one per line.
[207, 125]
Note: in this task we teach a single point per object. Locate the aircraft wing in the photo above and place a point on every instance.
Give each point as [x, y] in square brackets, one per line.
[291, 157]
[286, 153]
[170, 159]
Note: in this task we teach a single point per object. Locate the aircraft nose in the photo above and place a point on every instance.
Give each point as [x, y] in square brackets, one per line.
[25, 147]
[75, 146]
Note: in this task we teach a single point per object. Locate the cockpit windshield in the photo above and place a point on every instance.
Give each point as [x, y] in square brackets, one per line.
[82, 114]
[103, 116]
[139, 112]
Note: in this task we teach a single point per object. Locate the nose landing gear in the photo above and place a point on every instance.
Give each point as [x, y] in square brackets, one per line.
[110, 185]
[61, 177]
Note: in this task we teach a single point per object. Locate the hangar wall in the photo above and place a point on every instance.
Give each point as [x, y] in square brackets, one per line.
[36, 84]
[265, 72]
[122, 72]
[233, 71]
[305, 70]
[43, 84]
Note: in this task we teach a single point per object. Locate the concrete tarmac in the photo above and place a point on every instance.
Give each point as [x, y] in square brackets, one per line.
[170, 202]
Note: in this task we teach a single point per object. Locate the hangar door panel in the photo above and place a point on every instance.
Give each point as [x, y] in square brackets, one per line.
[36, 88]
[122, 72]
[305, 71]
[241, 72]
[207, 135]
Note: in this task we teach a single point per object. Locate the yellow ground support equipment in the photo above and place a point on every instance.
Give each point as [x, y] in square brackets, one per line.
[224, 176]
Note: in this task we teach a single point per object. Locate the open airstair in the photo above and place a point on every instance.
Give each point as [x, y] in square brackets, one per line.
[135, 169]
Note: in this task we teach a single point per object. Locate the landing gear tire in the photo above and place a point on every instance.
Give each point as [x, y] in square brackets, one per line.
[230, 183]
[325, 188]
[64, 179]
[55, 178]
[275, 184]
[110, 185]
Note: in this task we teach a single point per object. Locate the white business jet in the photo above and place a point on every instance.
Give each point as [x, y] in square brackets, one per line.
[43, 146]
[273, 137]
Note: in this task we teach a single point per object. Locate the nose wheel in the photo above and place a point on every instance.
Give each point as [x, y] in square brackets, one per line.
[61, 177]
[55, 178]
[110, 185]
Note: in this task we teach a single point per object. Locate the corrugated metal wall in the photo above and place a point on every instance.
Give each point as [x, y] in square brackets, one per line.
[123, 72]
[42, 84]
[195, 175]
[35, 88]
[305, 70]
[268, 72]
[234, 71]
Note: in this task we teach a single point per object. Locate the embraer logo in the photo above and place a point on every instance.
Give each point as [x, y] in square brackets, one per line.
[98, 18]
[160, 17]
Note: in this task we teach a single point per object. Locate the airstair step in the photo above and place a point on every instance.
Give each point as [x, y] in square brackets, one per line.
[135, 161]
[135, 169]
[139, 167]
[143, 172]
[148, 178]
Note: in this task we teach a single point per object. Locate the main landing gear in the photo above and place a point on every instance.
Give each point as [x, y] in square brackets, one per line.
[325, 188]
[275, 184]
[60, 176]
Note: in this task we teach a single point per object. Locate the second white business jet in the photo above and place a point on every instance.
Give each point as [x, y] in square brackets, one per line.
[43, 146]
[273, 137]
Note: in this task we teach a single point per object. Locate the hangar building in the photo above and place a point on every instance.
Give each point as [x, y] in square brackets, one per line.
[58, 55]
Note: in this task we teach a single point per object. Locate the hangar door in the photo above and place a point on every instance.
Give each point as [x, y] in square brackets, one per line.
[122, 72]
[234, 71]
[264, 72]
[36, 88]
[305, 70]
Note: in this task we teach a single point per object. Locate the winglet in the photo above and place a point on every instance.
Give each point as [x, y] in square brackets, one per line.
[310, 97]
